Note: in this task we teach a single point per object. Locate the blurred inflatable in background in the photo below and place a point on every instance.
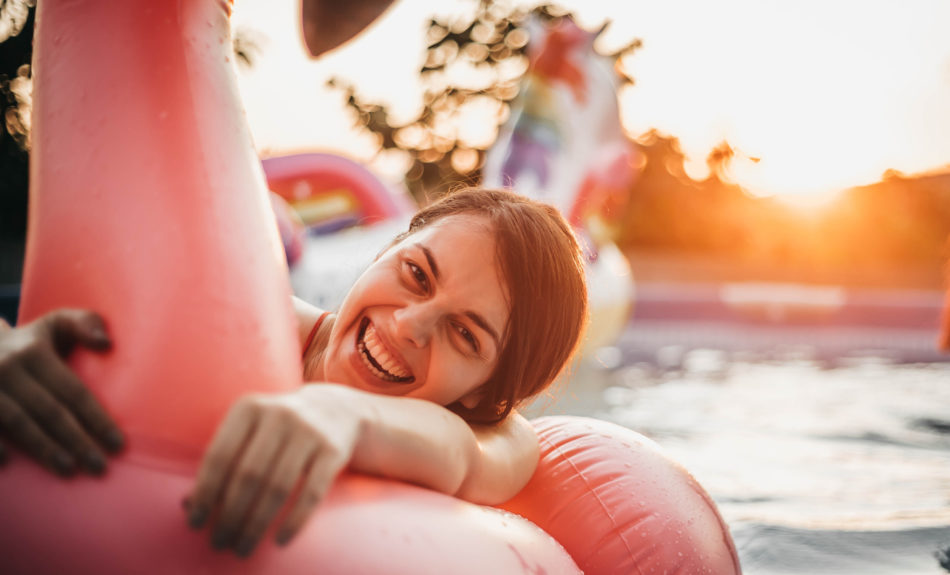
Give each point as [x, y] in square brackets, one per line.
[564, 144]
[347, 214]
[331, 193]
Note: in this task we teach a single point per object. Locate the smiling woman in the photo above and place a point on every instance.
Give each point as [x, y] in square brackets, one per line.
[426, 317]
[477, 307]
[484, 291]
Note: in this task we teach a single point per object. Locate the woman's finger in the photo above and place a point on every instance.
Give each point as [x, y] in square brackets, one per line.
[54, 419]
[290, 467]
[250, 476]
[21, 428]
[219, 459]
[327, 464]
[70, 391]
[68, 327]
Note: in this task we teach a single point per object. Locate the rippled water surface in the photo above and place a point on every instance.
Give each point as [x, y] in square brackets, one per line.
[817, 466]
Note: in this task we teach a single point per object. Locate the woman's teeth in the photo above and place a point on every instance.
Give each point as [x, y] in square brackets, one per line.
[377, 358]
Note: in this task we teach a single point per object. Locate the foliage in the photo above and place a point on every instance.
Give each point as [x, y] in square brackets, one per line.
[16, 38]
[899, 222]
[489, 47]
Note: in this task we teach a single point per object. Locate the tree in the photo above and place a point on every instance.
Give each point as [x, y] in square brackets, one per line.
[16, 49]
[491, 47]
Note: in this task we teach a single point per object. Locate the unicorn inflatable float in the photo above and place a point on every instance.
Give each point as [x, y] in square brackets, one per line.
[564, 145]
[133, 207]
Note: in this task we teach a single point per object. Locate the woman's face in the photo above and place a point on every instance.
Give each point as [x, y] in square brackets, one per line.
[427, 318]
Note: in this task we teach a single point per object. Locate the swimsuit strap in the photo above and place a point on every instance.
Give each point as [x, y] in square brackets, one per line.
[313, 333]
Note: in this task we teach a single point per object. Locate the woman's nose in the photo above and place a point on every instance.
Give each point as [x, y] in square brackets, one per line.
[415, 323]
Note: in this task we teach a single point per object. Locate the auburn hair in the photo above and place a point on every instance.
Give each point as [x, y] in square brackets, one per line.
[540, 261]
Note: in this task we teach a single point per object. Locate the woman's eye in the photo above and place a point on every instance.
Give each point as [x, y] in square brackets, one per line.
[468, 337]
[419, 276]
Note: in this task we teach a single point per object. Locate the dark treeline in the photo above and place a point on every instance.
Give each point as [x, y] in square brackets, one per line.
[897, 223]
[16, 48]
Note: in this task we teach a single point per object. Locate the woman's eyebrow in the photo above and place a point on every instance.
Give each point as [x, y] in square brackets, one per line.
[431, 260]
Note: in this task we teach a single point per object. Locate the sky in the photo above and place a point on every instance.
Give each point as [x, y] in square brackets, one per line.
[814, 95]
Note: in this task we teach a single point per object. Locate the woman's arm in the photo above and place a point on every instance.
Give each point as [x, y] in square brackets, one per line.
[424, 443]
[308, 315]
[269, 444]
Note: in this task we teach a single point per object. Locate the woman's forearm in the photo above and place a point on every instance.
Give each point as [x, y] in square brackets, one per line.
[272, 447]
[424, 443]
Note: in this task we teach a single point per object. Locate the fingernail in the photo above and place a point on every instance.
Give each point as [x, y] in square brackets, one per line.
[245, 547]
[63, 463]
[114, 440]
[221, 538]
[100, 337]
[197, 517]
[94, 463]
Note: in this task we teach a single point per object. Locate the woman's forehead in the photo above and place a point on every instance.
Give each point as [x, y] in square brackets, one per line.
[457, 239]
[465, 223]
[453, 232]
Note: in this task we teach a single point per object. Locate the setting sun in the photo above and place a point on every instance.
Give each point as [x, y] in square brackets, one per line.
[823, 95]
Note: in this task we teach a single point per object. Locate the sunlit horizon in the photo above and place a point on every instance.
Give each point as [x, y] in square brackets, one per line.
[814, 97]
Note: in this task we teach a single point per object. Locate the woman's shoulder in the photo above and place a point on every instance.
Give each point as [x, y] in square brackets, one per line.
[313, 327]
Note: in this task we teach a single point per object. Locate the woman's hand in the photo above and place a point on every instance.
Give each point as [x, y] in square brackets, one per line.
[277, 449]
[44, 407]
[271, 448]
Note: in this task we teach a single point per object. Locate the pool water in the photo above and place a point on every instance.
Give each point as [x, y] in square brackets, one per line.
[818, 465]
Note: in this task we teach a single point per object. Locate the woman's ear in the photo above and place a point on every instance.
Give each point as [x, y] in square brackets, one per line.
[471, 399]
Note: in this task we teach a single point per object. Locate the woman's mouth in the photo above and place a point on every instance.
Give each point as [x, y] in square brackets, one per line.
[377, 358]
